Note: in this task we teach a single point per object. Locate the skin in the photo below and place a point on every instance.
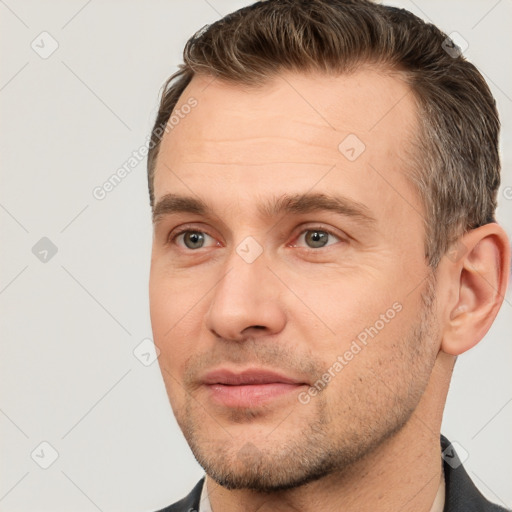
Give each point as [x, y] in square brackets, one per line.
[355, 445]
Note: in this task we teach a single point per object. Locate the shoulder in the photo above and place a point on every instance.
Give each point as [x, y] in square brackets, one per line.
[189, 503]
[461, 493]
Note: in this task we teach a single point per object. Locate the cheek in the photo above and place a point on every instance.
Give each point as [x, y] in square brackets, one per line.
[173, 335]
[356, 331]
[384, 368]
[174, 311]
[345, 306]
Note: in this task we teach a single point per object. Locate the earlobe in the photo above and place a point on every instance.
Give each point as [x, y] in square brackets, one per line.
[478, 270]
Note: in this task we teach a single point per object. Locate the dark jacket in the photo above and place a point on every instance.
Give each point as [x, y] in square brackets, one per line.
[461, 495]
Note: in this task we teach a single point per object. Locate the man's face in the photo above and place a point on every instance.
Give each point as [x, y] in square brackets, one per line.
[290, 309]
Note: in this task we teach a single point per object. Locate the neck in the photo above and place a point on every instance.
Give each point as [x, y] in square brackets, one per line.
[403, 474]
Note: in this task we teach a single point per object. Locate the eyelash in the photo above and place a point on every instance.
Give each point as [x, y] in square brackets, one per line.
[188, 229]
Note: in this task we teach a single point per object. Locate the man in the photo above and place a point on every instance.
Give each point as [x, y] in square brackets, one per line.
[323, 178]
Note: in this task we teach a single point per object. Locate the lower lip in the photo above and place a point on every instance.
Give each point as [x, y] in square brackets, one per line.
[249, 395]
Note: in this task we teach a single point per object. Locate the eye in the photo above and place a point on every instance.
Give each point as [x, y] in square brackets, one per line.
[192, 239]
[317, 238]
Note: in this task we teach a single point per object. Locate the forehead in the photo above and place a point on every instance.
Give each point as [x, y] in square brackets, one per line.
[287, 134]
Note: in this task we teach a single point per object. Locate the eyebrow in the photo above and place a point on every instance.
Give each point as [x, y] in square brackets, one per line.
[285, 204]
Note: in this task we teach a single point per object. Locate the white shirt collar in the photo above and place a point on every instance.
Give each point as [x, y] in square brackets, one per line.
[204, 501]
[438, 505]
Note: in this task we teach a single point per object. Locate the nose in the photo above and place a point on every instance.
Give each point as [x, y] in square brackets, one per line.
[246, 301]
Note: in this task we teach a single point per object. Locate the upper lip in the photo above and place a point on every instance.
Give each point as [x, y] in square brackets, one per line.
[246, 377]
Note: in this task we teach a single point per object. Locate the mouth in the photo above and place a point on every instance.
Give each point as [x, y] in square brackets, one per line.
[249, 388]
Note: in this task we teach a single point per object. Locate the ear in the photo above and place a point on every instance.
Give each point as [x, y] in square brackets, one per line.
[477, 268]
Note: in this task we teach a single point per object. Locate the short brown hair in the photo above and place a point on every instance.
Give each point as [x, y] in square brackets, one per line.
[455, 165]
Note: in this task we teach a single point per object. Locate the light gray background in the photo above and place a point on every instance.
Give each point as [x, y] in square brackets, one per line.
[69, 326]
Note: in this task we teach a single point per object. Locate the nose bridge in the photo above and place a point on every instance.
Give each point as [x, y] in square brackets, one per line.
[246, 296]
